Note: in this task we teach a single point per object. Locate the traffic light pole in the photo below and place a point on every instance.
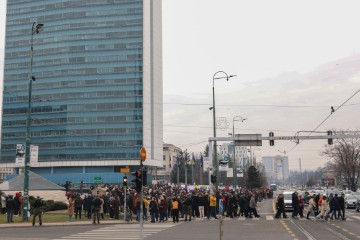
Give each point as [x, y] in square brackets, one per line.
[125, 204]
[255, 139]
[141, 202]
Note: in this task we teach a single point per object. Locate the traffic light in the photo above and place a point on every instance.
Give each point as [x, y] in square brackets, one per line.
[330, 140]
[271, 134]
[125, 181]
[213, 178]
[137, 180]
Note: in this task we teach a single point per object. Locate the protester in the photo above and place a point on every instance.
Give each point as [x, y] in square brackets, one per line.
[37, 210]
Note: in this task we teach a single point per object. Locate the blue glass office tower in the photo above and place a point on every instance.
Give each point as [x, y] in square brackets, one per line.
[97, 98]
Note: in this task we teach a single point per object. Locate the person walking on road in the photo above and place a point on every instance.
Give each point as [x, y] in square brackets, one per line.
[295, 204]
[336, 211]
[37, 210]
[324, 208]
[311, 207]
[342, 206]
[252, 205]
[280, 205]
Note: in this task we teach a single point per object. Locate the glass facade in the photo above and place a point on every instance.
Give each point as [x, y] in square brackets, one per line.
[88, 97]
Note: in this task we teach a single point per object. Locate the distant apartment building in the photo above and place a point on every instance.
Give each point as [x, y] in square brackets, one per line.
[276, 168]
[163, 174]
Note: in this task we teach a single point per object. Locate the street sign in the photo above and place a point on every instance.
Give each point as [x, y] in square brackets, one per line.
[253, 140]
[34, 155]
[124, 170]
[98, 180]
[143, 154]
[20, 155]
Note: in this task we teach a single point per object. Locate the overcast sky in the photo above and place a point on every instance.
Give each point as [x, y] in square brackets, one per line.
[293, 61]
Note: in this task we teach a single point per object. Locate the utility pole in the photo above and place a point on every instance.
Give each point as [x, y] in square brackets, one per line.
[177, 169]
[300, 174]
[192, 169]
[185, 172]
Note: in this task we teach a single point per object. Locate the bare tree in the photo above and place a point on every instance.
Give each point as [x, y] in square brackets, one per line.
[344, 156]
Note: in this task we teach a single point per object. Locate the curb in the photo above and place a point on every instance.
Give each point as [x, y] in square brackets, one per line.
[61, 224]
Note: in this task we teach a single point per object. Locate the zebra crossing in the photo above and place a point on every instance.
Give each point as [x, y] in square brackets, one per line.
[271, 218]
[119, 231]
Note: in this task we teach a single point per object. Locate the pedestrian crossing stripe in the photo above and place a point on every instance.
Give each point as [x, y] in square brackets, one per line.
[268, 218]
[120, 231]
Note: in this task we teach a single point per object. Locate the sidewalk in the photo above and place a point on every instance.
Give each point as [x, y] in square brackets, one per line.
[62, 224]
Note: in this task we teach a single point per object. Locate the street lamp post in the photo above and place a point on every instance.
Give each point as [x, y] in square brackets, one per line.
[34, 29]
[236, 118]
[214, 117]
[282, 166]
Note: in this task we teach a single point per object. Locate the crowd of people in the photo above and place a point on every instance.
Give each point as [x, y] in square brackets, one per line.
[321, 206]
[11, 205]
[163, 202]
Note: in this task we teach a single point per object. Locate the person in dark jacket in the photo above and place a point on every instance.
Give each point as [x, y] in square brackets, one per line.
[336, 208]
[188, 204]
[78, 206]
[342, 206]
[89, 206]
[37, 210]
[280, 206]
[153, 209]
[195, 208]
[10, 207]
[232, 205]
[317, 198]
[295, 204]
[162, 208]
[116, 206]
[242, 204]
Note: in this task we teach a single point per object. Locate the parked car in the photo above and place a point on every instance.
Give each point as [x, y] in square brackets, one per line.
[350, 201]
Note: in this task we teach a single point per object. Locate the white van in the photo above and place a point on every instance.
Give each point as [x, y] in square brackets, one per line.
[288, 200]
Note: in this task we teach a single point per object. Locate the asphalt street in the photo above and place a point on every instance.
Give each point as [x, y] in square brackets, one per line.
[203, 229]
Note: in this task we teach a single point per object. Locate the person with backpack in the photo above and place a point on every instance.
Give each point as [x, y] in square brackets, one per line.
[96, 206]
[175, 209]
[37, 210]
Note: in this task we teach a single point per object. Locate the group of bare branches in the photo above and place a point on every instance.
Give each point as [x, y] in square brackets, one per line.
[344, 159]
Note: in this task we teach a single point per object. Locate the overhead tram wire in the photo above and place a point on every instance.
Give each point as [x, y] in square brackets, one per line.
[332, 113]
[253, 105]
